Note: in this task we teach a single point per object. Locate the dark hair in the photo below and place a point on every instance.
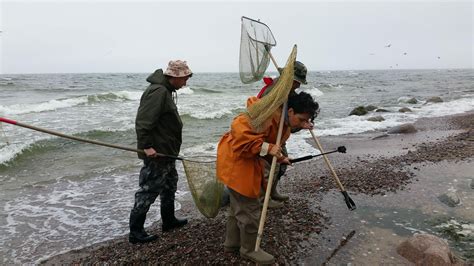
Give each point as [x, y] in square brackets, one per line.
[303, 103]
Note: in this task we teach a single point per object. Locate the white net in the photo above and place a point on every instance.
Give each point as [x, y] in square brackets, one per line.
[256, 40]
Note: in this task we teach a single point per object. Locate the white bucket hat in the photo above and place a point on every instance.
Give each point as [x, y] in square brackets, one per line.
[178, 69]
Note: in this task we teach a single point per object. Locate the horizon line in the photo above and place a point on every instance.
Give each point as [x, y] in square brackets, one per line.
[222, 72]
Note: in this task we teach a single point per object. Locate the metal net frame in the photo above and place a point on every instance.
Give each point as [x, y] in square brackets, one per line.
[256, 41]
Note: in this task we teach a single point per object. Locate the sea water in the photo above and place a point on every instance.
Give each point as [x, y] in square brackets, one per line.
[59, 194]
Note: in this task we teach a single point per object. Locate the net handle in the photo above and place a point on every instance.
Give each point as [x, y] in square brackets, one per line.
[55, 133]
[263, 215]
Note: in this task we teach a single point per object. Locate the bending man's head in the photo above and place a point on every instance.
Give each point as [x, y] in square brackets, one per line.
[302, 109]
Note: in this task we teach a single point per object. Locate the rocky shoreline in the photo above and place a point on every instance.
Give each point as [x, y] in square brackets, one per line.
[372, 166]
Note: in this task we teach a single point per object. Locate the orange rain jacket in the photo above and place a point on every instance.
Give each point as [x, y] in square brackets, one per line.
[239, 164]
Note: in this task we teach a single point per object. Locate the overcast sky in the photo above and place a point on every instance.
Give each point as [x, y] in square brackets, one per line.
[126, 36]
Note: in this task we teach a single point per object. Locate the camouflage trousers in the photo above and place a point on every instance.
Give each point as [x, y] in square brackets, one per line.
[157, 177]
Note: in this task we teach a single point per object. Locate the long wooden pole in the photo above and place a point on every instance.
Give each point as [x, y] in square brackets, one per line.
[51, 132]
[263, 215]
[333, 172]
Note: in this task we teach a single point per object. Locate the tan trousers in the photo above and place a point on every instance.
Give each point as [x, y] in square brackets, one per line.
[246, 211]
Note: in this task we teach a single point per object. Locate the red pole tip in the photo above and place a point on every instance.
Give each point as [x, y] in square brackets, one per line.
[2, 119]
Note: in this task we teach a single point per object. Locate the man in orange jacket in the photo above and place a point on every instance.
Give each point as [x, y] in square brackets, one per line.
[240, 166]
[300, 72]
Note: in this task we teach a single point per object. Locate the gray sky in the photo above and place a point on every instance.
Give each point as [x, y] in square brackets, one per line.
[126, 36]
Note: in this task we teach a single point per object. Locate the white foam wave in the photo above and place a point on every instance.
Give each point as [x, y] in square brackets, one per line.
[61, 216]
[185, 91]
[314, 92]
[358, 124]
[201, 149]
[203, 114]
[446, 108]
[298, 146]
[41, 107]
[200, 108]
[129, 95]
[405, 99]
[9, 152]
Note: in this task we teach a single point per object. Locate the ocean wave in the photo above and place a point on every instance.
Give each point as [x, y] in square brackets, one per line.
[51, 105]
[207, 90]
[56, 104]
[9, 152]
[12, 152]
[314, 92]
[359, 124]
[210, 114]
[185, 91]
[115, 96]
[329, 86]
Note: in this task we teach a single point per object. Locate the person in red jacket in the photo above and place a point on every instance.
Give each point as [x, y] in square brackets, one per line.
[300, 72]
[240, 166]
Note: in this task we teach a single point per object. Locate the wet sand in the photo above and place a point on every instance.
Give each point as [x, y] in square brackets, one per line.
[394, 181]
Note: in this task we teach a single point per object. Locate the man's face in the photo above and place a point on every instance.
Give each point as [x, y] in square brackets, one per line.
[298, 121]
[296, 85]
[180, 82]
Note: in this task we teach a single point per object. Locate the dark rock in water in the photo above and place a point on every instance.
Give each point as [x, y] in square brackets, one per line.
[412, 101]
[360, 110]
[370, 107]
[434, 99]
[404, 110]
[381, 110]
[403, 129]
[450, 198]
[471, 184]
[378, 118]
[426, 249]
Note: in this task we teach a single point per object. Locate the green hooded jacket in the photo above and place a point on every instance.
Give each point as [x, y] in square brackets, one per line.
[158, 124]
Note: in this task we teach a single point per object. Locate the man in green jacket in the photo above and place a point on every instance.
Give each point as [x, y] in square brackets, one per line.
[159, 129]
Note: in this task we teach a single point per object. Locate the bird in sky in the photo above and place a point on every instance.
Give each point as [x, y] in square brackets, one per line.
[388, 46]
[439, 57]
[405, 53]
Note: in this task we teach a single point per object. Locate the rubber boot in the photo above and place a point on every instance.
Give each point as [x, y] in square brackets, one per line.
[169, 220]
[247, 249]
[137, 231]
[232, 235]
[272, 204]
[274, 192]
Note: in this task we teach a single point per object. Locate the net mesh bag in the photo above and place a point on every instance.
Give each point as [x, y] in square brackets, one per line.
[256, 40]
[262, 110]
[205, 188]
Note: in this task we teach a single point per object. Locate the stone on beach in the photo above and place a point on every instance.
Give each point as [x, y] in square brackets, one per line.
[434, 99]
[403, 129]
[450, 198]
[426, 249]
[378, 118]
[360, 110]
[404, 110]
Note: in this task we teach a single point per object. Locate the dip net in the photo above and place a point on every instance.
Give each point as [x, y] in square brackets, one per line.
[206, 190]
[256, 40]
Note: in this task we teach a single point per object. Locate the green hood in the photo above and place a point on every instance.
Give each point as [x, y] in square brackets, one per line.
[158, 77]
